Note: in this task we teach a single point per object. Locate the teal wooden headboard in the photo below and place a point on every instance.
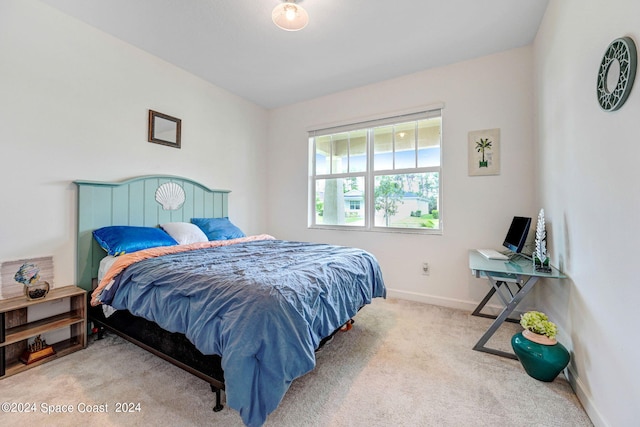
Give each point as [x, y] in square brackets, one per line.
[133, 202]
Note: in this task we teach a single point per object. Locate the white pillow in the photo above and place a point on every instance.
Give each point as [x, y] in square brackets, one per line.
[105, 265]
[184, 232]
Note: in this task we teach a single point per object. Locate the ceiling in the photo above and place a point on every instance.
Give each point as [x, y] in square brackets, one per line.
[348, 43]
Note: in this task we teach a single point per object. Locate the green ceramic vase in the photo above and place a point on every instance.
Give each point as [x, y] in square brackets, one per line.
[542, 362]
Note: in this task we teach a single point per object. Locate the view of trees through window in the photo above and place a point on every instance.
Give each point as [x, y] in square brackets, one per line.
[385, 176]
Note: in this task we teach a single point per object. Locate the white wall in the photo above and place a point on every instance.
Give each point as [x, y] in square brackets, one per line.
[588, 183]
[490, 92]
[74, 105]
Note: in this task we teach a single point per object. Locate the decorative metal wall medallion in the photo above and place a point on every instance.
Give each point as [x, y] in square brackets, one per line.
[170, 195]
[619, 61]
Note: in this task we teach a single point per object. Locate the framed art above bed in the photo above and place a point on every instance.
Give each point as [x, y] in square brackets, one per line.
[164, 129]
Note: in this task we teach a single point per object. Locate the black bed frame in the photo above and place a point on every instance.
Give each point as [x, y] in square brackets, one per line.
[172, 347]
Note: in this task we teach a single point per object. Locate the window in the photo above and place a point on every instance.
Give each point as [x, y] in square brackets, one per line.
[382, 174]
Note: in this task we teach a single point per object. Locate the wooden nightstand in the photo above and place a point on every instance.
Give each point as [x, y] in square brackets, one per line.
[15, 330]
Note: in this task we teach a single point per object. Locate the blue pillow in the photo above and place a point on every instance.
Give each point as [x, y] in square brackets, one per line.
[218, 228]
[123, 239]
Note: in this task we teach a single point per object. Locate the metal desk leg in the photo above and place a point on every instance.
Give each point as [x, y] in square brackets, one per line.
[478, 311]
[526, 288]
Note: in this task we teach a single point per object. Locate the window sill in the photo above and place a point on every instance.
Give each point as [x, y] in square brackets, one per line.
[429, 231]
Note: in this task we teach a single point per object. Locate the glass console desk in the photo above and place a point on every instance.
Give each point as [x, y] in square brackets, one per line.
[519, 271]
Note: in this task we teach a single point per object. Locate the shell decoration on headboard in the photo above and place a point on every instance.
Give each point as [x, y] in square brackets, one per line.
[170, 196]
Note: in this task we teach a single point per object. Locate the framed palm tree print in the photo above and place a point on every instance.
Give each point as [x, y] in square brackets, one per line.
[484, 152]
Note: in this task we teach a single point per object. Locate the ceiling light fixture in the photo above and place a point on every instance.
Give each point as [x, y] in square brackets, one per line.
[289, 16]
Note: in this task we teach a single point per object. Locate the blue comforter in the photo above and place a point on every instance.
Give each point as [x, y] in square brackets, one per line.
[262, 306]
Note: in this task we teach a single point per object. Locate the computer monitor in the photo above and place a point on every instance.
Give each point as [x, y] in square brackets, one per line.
[517, 234]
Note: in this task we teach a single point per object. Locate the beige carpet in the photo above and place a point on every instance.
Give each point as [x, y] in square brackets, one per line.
[403, 364]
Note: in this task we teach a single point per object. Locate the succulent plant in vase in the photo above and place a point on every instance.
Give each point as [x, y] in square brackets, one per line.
[541, 355]
[538, 328]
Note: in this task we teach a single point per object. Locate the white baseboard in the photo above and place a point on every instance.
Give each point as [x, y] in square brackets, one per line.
[429, 299]
[448, 302]
[584, 397]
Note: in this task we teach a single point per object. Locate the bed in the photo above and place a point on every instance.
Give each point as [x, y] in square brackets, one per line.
[244, 313]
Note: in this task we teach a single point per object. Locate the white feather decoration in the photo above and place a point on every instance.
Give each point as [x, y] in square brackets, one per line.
[541, 238]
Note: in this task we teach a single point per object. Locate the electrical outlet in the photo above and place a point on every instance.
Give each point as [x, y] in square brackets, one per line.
[425, 268]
